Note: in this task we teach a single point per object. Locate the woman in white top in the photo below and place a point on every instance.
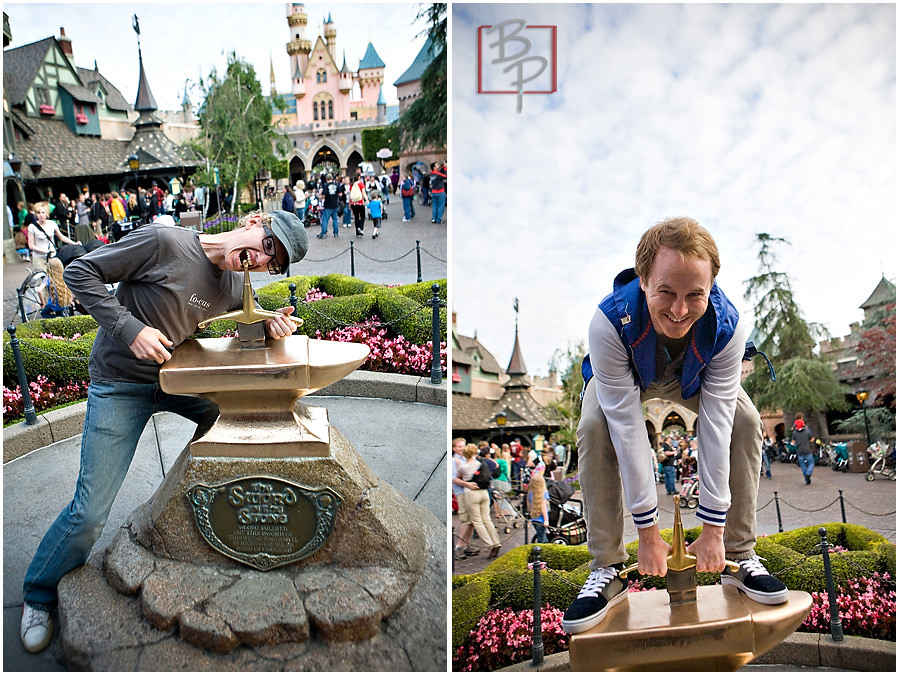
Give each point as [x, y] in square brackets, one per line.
[40, 236]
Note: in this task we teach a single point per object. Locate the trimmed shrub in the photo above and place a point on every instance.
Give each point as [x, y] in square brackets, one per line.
[469, 604]
[421, 292]
[408, 317]
[59, 360]
[340, 284]
[278, 294]
[330, 313]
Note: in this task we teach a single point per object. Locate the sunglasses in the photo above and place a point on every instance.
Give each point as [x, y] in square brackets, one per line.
[269, 249]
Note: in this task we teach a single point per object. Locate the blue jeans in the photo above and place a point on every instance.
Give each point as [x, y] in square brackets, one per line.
[438, 201]
[407, 208]
[301, 212]
[767, 463]
[669, 476]
[806, 462]
[116, 415]
[329, 214]
[540, 533]
[347, 215]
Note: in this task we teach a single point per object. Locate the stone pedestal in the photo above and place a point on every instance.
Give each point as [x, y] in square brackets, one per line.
[372, 597]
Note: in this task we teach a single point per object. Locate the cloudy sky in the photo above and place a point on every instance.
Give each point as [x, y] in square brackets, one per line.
[184, 41]
[748, 118]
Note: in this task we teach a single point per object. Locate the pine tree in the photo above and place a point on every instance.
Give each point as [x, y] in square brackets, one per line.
[804, 381]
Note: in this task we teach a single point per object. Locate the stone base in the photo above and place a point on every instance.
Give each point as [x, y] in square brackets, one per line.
[160, 598]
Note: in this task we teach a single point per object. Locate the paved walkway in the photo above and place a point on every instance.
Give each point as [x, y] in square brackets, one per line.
[872, 505]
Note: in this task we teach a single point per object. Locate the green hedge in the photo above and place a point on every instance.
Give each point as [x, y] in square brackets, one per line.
[421, 292]
[786, 554]
[61, 361]
[469, 604]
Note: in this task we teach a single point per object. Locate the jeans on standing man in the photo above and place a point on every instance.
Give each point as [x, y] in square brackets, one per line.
[767, 463]
[408, 211]
[326, 215]
[114, 419]
[669, 476]
[438, 202]
[806, 461]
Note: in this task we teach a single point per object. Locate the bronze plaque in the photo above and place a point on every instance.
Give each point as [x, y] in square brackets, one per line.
[262, 521]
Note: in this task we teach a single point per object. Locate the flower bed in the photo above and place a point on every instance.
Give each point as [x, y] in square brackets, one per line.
[863, 564]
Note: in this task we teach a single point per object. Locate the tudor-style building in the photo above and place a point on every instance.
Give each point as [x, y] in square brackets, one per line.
[64, 128]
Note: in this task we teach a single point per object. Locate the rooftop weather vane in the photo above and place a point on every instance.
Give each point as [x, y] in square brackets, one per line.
[137, 29]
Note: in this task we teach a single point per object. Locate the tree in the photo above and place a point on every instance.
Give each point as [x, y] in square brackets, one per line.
[876, 350]
[568, 406]
[424, 123]
[805, 382]
[237, 136]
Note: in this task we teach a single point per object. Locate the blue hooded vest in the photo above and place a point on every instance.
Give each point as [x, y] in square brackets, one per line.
[626, 308]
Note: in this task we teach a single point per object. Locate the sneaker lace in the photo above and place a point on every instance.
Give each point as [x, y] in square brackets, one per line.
[34, 617]
[597, 580]
[753, 566]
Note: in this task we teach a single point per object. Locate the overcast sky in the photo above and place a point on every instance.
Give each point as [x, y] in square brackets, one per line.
[184, 41]
[748, 118]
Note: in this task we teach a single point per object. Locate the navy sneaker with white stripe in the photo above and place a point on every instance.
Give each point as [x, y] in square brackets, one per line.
[753, 579]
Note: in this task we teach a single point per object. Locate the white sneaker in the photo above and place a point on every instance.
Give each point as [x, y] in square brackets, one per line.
[37, 629]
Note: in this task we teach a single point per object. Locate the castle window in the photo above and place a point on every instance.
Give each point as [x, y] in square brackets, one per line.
[321, 76]
[315, 111]
[330, 110]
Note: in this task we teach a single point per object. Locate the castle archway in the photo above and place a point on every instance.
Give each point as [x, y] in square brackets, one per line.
[297, 170]
[326, 159]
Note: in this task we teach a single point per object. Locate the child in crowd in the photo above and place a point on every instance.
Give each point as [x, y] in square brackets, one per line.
[538, 501]
[59, 297]
[21, 243]
[375, 210]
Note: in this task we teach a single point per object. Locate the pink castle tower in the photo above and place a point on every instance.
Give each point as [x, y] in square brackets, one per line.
[323, 90]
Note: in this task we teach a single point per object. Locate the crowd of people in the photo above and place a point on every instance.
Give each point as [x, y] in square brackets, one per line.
[331, 199]
[479, 471]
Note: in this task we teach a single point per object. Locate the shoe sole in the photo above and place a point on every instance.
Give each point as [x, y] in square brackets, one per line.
[773, 598]
[588, 622]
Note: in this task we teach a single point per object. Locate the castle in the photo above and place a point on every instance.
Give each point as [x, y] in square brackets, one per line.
[328, 106]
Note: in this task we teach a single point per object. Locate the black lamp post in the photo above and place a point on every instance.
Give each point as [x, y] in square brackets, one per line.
[861, 396]
[500, 419]
[15, 163]
[35, 166]
[134, 163]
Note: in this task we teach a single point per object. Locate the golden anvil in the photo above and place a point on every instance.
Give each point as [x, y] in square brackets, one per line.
[705, 628]
[258, 384]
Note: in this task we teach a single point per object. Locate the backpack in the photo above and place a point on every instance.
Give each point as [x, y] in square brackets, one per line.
[355, 193]
[482, 477]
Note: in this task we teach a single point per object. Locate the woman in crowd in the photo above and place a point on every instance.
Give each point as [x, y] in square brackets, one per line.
[538, 505]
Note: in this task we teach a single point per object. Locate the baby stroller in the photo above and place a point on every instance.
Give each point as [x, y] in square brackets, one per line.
[312, 217]
[567, 524]
[882, 466]
[690, 492]
[508, 514]
[841, 457]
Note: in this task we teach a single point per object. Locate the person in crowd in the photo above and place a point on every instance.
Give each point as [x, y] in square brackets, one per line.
[395, 179]
[375, 211]
[60, 301]
[668, 331]
[688, 464]
[461, 548]
[766, 456]
[117, 208]
[386, 188]
[358, 199]
[408, 194]
[22, 212]
[21, 242]
[477, 500]
[538, 505]
[331, 195]
[62, 213]
[287, 200]
[802, 438]
[344, 212]
[300, 199]
[41, 235]
[438, 185]
[169, 280]
[99, 216]
[668, 457]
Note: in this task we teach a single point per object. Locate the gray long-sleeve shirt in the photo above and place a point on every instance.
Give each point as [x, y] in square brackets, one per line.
[165, 280]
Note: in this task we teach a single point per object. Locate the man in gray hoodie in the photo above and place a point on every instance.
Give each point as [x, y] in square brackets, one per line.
[169, 280]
